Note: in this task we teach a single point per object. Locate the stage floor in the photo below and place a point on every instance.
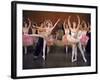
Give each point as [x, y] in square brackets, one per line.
[57, 57]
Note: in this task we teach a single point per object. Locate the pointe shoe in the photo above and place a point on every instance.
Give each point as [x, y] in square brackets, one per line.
[73, 60]
[85, 60]
[43, 57]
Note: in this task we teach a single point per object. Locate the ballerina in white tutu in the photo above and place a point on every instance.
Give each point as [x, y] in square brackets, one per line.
[73, 38]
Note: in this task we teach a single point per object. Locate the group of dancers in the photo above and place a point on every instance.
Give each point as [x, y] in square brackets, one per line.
[75, 35]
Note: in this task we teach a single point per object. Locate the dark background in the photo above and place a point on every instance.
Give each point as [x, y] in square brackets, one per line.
[40, 16]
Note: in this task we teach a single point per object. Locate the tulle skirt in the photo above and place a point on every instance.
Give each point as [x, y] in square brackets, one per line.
[50, 41]
[84, 40]
[27, 40]
[68, 39]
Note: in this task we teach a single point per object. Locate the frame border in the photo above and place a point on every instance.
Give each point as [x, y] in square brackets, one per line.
[14, 38]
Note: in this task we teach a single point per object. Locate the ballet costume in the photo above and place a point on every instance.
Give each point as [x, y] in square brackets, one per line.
[83, 39]
[49, 41]
[45, 38]
[25, 30]
[27, 39]
[74, 47]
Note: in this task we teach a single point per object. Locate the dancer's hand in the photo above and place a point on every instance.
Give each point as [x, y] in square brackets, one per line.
[56, 23]
[28, 19]
[58, 19]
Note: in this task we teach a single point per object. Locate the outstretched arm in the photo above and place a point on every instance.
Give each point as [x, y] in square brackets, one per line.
[55, 24]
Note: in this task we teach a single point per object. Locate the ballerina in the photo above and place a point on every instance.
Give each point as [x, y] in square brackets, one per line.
[66, 36]
[83, 34]
[73, 37]
[83, 39]
[45, 31]
[27, 40]
[26, 27]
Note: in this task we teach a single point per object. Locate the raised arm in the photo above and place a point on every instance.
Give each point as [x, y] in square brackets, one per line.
[69, 24]
[29, 23]
[64, 24]
[55, 24]
[24, 24]
[85, 25]
[78, 25]
[89, 27]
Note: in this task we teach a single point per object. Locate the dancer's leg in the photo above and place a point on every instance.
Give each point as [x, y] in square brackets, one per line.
[84, 48]
[38, 48]
[48, 49]
[25, 50]
[73, 52]
[82, 52]
[44, 47]
[66, 49]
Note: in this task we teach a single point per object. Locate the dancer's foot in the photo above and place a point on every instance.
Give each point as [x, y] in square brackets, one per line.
[85, 60]
[43, 57]
[73, 60]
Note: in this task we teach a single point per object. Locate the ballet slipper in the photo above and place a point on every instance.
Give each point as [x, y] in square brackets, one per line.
[74, 60]
[85, 60]
[43, 57]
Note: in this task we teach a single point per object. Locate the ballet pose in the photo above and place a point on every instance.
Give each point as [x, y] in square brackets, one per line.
[83, 34]
[26, 27]
[26, 39]
[74, 31]
[66, 37]
[71, 39]
[83, 39]
[45, 30]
